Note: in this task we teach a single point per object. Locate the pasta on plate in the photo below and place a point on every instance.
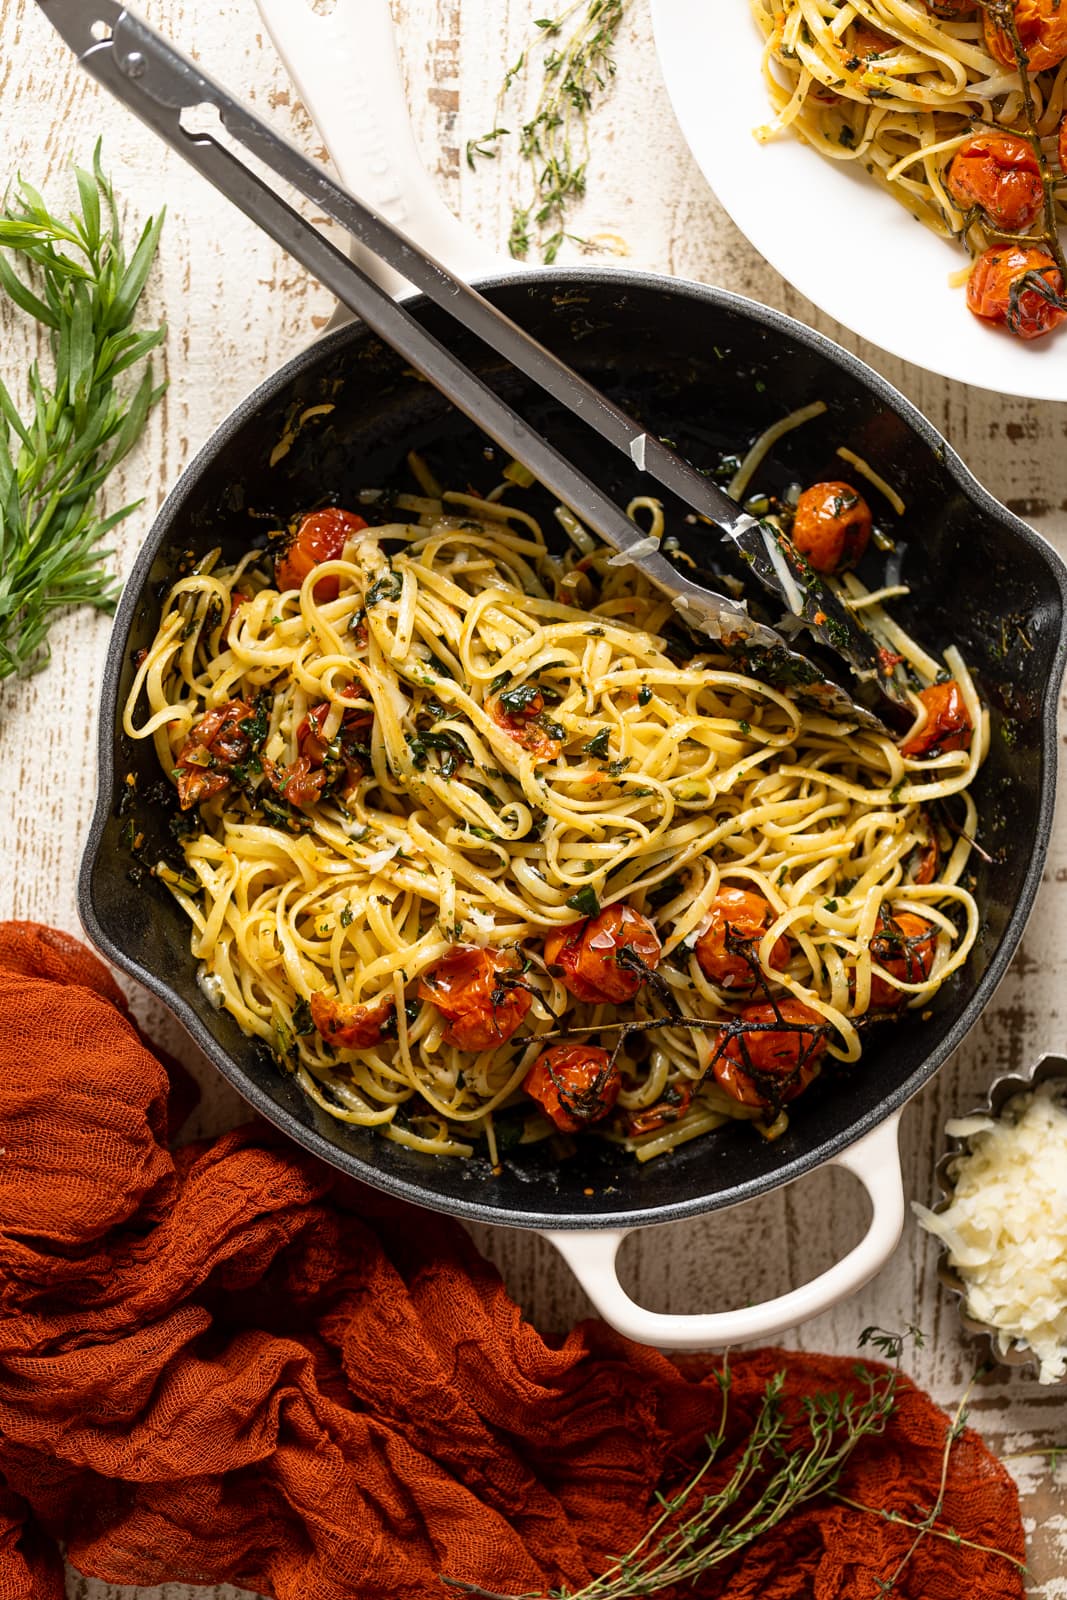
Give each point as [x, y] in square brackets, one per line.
[483, 847]
[959, 109]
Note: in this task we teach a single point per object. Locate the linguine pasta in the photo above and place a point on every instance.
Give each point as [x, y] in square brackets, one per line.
[931, 102]
[510, 741]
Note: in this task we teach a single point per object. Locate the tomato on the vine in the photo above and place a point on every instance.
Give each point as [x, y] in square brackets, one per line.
[603, 960]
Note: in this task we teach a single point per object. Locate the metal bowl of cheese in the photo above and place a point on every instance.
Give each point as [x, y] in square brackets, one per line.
[1002, 1218]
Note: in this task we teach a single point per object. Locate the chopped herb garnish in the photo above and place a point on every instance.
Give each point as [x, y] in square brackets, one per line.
[598, 744]
[390, 586]
[516, 702]
[585, 902]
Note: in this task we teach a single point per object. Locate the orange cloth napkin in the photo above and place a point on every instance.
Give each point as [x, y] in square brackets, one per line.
[227, 1363]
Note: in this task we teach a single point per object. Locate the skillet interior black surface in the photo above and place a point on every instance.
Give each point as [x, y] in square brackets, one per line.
[709, 371]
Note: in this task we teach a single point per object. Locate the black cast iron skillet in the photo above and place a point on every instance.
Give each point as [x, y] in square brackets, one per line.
[709, 370]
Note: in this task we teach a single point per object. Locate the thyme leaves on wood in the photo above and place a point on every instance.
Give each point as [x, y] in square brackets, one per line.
[578, 64]
[79, 284]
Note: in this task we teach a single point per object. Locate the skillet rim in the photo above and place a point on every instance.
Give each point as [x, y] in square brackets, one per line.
[419, 1193]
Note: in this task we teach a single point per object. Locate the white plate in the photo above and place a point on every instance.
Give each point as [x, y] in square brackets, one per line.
[836, 236]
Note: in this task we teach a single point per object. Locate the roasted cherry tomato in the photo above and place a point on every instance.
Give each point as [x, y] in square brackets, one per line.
[831, 526]
[923, 862]
[742, 916]
[904, 946]
[1017, 285]
[998, 172]
[350, 741]
[296, 783]
[772, 1054]
[320, 536]
[215, 745]
[589, 952]
[521, 713]
[479, 994]
[671, 1107]
[865, 41]
[1061, 146]
[1042, 26]
[950, 10]
[237, 600]
[947, 726]
[350, 1027]
[575, 1084]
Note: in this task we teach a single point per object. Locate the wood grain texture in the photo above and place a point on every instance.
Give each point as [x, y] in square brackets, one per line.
[237, 309]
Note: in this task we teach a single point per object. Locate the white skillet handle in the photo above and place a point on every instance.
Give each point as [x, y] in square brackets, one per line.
[591, 1255]
[345, 68]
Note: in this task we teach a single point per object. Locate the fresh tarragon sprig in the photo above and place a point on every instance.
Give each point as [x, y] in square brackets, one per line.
[81, 421]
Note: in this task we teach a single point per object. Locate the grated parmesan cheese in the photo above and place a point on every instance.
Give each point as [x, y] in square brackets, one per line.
[1006, 1226]
[379, 858]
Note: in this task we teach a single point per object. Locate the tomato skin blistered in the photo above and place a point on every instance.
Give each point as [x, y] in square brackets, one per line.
[587, 955]
[216, 743]
[477, 992]
[904, 945]
[738, 916]
[1004, 288]
[1042, 29]
[999, 173]
[320, 536]
[948, 723]
[831, 526]
[574, 1084]
[763, 1064]
[350, 1027]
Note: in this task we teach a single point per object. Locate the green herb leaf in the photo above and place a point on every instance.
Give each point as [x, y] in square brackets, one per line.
[390, 586]
[585, 902]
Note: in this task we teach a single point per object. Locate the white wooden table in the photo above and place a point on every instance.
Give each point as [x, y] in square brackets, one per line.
[237, 308]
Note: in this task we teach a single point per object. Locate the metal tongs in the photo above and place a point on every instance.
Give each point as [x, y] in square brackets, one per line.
[160, 85]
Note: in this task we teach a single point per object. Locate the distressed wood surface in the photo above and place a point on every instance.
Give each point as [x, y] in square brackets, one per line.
[237, 308]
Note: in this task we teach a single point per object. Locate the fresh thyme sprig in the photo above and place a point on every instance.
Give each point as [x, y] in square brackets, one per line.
[53, 461]
[781, 1466]
[555, 141]
[927, 1528]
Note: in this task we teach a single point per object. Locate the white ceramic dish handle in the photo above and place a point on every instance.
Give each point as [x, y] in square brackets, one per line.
[345, 68]
[591, 1256]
